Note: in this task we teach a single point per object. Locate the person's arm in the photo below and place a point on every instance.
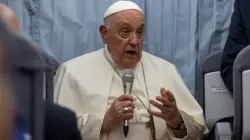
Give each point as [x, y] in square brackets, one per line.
[190, 111]
[67, 94]
[237, 40]
[192, 129]
[60, 122]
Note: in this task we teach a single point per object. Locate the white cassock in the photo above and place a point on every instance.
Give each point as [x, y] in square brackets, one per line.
[89, 84]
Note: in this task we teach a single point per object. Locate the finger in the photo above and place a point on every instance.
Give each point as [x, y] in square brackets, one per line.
[169, 95]
[125, 97]
[158, 105]
[130, 110]
[128, 116]
[164, 101]
[163, 91]
[155, 113]
[127, 104]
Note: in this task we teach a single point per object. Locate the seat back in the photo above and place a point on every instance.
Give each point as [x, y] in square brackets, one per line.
[211, 92]
[49, 75]
[241, 76]
[26, 67]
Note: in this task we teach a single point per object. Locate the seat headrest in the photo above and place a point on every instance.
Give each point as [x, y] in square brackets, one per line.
[212, 62]
[20, 53]
[241, 62]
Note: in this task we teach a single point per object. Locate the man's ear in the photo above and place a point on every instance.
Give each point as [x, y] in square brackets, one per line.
[104, 33]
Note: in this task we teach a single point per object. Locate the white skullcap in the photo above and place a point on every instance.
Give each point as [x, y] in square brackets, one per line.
[121, 6]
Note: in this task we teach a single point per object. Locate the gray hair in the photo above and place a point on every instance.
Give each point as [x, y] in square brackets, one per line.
[107, 22]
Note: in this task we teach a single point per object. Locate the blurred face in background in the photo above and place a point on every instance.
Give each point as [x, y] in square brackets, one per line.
[123, 32]
[9, 17]
[6, 105]
[7, 114]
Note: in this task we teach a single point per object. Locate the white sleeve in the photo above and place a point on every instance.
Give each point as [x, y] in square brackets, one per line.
[67, 94]
[190, 110]
[193, 132]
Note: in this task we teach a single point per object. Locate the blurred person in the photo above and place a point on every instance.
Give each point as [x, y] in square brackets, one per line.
[60, 123]
[160, 106]
[6, 105]
[9, 17]
[238, 39]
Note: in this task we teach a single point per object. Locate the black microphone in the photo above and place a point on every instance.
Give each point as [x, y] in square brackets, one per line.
[127, 80]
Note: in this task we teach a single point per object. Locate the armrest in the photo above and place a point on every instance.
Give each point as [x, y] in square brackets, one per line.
[223, 131]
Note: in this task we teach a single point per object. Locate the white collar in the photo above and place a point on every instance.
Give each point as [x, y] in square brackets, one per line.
[109, 57]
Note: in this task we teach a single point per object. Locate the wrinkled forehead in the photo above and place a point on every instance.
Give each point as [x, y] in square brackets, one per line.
[130, 17]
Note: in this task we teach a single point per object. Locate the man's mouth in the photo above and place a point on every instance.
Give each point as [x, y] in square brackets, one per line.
[131, 52]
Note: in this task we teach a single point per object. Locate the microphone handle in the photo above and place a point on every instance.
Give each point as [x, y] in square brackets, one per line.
[126, 122]
[125, 128]
[127, 90]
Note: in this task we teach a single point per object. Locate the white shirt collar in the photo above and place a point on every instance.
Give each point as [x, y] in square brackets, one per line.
[109, 57]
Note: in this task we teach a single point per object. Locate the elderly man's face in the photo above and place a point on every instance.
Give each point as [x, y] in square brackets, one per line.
[124, 37]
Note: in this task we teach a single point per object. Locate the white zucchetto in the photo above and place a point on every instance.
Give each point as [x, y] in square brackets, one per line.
[121, 6]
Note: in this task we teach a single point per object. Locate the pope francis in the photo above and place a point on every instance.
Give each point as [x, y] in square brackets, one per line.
[160, 106]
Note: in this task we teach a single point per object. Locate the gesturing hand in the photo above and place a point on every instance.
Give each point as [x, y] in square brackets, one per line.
[117, 113]
[169, 111]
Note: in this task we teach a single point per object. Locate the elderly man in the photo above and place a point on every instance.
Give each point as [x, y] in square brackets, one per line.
[60, 123]
[160, 106]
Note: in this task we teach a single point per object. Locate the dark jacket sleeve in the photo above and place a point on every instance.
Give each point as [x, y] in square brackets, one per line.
[60, 123]
[236, 41]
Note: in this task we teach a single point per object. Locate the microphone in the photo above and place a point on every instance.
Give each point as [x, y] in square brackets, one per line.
[127, 80]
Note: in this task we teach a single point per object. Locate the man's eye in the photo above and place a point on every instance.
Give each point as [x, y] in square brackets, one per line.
[140, 32]
[125, 31]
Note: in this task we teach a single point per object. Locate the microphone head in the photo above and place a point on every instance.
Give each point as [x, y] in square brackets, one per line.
[128, 76]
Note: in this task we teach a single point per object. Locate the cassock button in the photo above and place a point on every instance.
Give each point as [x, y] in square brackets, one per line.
[138, 108]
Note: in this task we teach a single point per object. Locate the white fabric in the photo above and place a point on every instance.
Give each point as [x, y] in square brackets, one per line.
[141, 116]
[85, 83]
[121, 6]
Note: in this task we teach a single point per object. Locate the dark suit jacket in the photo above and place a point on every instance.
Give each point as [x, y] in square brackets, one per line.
[60, 123]
[238, 39]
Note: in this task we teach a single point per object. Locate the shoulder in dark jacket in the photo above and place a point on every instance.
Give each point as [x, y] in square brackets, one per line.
[238, 39]
[60, 123]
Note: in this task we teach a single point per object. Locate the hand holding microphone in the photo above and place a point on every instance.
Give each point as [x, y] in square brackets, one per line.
[127, 80]
[122, 108]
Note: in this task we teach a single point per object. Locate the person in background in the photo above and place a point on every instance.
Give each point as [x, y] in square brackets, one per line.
[9, 17]
[60, 122]
[6, 105]
[160, 106]
[238, 39]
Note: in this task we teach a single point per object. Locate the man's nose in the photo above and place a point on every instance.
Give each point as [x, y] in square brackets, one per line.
[134, 39]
